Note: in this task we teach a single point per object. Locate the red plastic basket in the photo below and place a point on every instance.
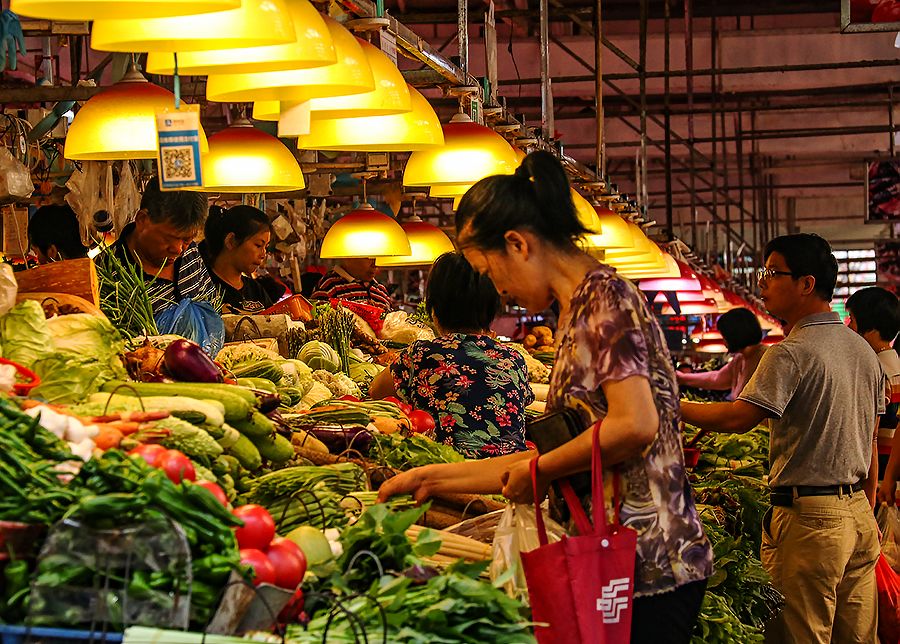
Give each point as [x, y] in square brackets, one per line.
[691, 456]
[22, 388]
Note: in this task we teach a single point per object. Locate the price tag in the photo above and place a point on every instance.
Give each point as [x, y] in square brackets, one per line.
[179, 147]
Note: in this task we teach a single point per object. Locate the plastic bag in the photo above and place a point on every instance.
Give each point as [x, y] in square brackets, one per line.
[15, 179]
[9, 288]
[889, 523]
[399, 327]
[517, 533]
[888, 583]
[196, 321]
[128, 199]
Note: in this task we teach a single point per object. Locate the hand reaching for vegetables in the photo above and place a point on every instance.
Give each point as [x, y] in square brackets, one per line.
[413, 482]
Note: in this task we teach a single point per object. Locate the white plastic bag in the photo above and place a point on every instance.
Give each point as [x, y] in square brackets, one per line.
[517, 533]
[15, 179]
[398, 327]
[889, 523]
[9, 288]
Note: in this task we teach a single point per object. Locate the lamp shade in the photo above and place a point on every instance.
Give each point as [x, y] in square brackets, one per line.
[418, 129]
[711, 346]
[365, 232]
[706, 307]
[256, 23]
[295, 119]
[669, 270]
[451, 190]
[311, 47]
[687, 281]
[613, 231]
[390, 95]
[244, 159]
[427, 243]
[351, 74]
[587, 216]
[266, 110]
[95, 9]
[120, 122]
[470, 153]
[641, 249]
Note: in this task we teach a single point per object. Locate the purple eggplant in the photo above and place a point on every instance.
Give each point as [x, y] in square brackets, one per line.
[267, 402]
[187, 362]
[341, 439]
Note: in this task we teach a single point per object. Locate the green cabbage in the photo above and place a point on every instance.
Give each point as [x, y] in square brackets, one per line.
[69, 378]
[25, 334]
[319, 355]
[86, 335]
[364, 372]
[235, 355]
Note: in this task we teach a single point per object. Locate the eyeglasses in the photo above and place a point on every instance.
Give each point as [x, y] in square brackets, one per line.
[769, 273]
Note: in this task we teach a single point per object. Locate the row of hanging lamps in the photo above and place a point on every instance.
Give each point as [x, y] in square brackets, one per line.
[613, 232]
[426, 241]
[644, 253]
[97, 9]
[418, 129]
[311, 46]
[256, 23]
[668, 270]
[351, 74]
[244, 159]
[365, 232]
[119, 122]
[470, 153]
[586, 213]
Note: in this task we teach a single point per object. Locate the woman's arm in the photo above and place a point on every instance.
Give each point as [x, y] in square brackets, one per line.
[718, 380]
[470, 477]
[629, 427]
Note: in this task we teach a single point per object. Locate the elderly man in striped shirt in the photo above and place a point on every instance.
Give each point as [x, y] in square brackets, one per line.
[353, 280]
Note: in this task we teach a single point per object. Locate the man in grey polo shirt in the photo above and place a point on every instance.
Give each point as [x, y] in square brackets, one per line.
[823, 391]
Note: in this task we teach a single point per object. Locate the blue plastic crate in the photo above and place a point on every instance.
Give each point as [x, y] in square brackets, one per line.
[43, 635]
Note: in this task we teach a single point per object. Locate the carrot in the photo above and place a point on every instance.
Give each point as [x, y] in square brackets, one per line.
[127, 428]
[107, 437]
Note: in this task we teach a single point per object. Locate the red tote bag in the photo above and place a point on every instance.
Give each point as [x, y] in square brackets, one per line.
[581, 588]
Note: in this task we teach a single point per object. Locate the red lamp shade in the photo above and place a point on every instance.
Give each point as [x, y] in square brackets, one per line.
[688, 281]
[706, 307]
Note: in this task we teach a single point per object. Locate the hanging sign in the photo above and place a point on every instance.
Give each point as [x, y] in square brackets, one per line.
[178, 131]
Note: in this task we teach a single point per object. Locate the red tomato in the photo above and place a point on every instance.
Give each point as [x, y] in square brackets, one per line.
[887, 11]
[422, 422]
[150, 453]
[348, 397]
[289, 562]
[216, 491]
[263, 569]
[293, 610]
[177, 466]
[259, 527]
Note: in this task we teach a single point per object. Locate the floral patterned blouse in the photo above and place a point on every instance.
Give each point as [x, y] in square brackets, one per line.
[609, 335]
[475, 389]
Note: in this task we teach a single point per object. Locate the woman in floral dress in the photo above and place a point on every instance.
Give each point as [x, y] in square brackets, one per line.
[475, 388]
[611, 364]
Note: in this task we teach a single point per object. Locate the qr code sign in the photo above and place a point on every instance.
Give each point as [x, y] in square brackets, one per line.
[178, 163]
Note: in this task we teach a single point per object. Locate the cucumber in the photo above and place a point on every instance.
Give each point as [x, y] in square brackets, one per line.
[256, 426]
[268, 369]
[246, 453]
[236, 404]
[189, 415]
[290, 396]
[200, 411]
[275, 448]
[258, 383]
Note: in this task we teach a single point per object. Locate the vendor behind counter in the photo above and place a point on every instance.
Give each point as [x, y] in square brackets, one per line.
[475, 388]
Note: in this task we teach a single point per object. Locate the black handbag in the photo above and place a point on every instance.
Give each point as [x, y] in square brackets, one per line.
[550, 431]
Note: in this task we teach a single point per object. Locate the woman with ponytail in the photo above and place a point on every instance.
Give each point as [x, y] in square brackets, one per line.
[611, 364]
[235, 246]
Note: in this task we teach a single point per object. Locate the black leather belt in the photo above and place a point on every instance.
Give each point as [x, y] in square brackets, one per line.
[783, 496]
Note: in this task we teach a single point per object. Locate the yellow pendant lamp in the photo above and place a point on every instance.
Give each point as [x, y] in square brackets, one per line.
[120, 122]
[390, 95]
[266, 110]
[244, 159]
[311, 47]
[351, 74]
[449, 191]
[257, 23]
[613, 231]
[418, 129]
[470, 153]
[96, 9]
[670, 270]
[587, 216]
[427, 243]
[642, 252]
[365, 232]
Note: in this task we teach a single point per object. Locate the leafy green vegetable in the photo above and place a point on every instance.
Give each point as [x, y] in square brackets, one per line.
[407, 452]
[319, 355]
[70, 378]
[25, 334]
[86, 335]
